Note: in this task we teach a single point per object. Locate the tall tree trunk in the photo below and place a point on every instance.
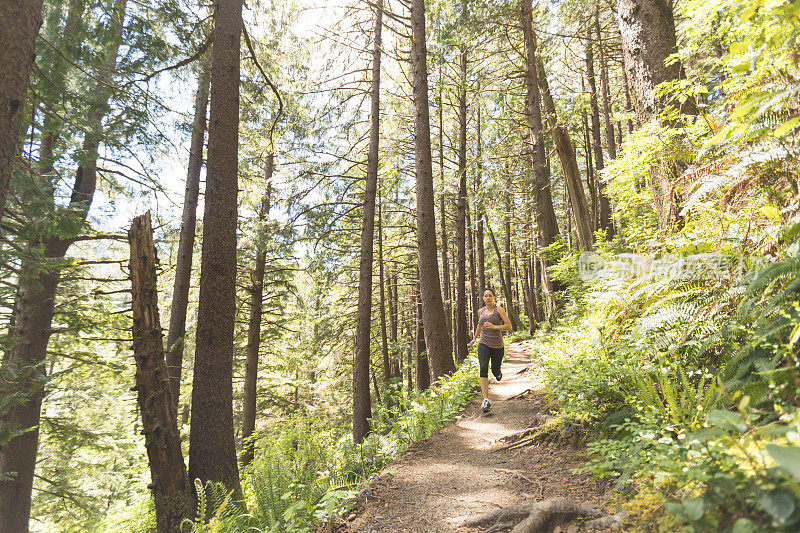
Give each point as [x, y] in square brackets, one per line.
[587, 153]
[447, 294]
[408, 317]
[388, 372]
[437, 337]
[19, 25]
[507, 243]
[479, 210]
[647, 29]
[362, 410]
[546, 223]
[183, 264]
[512, 314]
[423, 367]
[167, 470]
[56, 68]
[604, 89]
[394, 317]
[604, 206]
[473, 281]
[448, 304]
[526, 289]
[569, 163]
[536, 287]
[254, 324]
[628, 103]
[34, 316]
[212, 449]
[461, 213]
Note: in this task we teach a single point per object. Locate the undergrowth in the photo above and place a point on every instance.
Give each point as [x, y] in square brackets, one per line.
[691, 390]
[306, 470]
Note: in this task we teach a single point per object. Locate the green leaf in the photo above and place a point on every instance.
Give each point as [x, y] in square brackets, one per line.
[745, 525]
[739, 47]
[786, 127]
[676, 509]
[787, 458]
[695, 508]
[704, 435]
[770, 211]
[779, 504]
[727, 420]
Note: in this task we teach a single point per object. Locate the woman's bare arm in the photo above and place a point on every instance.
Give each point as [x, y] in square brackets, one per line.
[506, 322]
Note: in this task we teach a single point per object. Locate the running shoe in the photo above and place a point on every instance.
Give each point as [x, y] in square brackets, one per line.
[486, 405]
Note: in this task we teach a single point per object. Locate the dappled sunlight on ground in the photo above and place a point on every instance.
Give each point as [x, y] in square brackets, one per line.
[458, 473]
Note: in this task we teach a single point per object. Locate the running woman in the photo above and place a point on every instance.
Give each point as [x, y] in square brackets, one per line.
[492, 321]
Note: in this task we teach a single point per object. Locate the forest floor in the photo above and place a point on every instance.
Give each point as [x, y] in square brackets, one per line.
[459, 473]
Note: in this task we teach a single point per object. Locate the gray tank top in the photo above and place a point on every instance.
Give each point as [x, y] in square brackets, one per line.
[492, 338]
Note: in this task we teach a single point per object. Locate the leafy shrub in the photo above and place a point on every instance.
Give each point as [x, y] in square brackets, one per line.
[305, 471]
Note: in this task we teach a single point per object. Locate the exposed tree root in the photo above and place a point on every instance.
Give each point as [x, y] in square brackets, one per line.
[520, 395]
[545, 434]
[540, 517]
[606, 522]
[540, 418]
[513, 514]
[500, 527]
[548, 514]
[563, 430]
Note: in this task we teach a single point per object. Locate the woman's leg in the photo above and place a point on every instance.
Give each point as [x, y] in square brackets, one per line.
[484, 354]
[497, 362]
[484, 386]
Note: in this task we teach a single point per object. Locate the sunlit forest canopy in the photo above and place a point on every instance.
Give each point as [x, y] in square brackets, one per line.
[245, 248]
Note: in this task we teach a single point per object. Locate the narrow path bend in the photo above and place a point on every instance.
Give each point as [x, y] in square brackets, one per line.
[456, 474]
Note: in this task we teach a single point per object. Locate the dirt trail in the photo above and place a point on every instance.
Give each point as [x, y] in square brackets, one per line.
[455, 474]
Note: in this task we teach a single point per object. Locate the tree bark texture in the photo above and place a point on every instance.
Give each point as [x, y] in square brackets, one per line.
[647, 29]
[437, 337]
[569, 164]
[254, 324]
[19, 25]
[362, 410]
[36, 305]
[212, 450]
[423, 368]
[183, 264]
[159, 421]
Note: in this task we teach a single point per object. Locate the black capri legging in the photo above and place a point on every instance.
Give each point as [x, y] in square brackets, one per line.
[485, 353]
